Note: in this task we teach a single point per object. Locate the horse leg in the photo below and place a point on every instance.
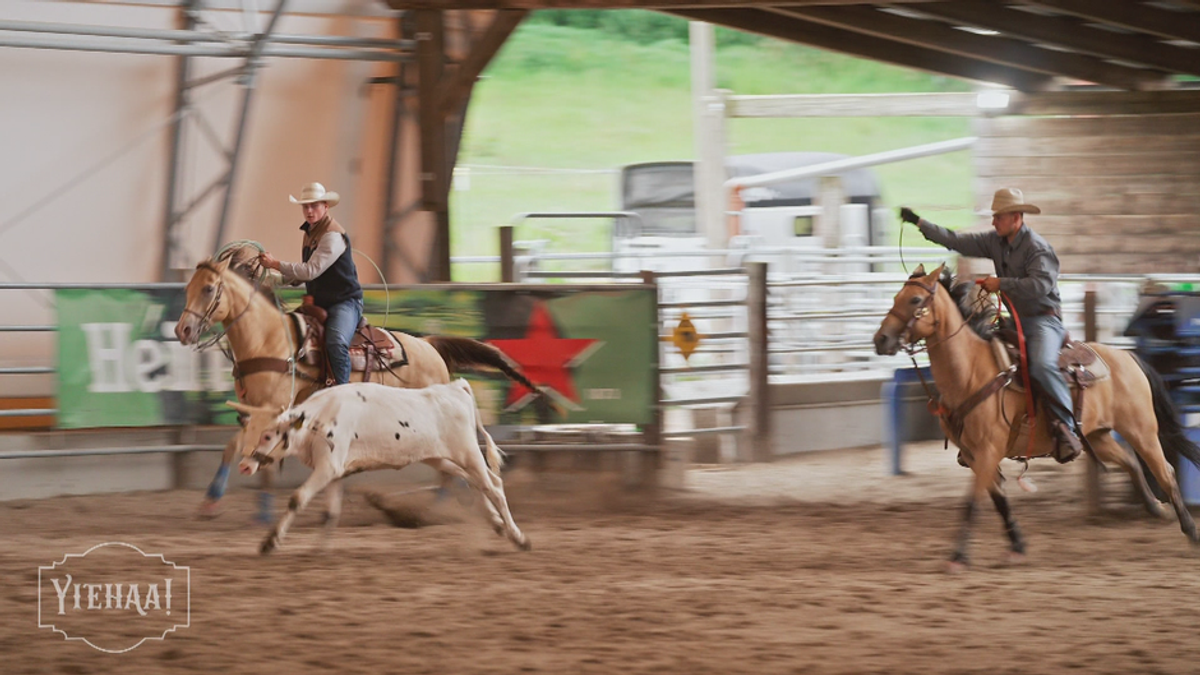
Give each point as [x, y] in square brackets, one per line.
[447, 487]
[1146, 444]
[1109, 450]
[984, 466]
[323, 474]
[266, 500]
[216, 489]
[1016, 541]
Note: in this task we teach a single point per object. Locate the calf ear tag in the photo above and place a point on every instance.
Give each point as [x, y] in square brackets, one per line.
[298, 422]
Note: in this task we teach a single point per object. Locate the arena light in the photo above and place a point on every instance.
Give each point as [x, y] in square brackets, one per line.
[992, 100]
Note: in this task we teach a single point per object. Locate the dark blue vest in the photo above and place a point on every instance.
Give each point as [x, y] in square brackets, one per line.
[336, 284]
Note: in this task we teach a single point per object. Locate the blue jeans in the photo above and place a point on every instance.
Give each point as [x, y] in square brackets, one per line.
[1043, 338]
[340, 325]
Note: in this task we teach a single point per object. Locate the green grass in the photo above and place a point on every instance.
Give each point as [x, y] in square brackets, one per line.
[582, 103]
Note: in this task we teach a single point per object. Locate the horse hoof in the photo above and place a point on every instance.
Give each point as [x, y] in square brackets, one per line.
[208, 510]
[269, 544]
[525, 545]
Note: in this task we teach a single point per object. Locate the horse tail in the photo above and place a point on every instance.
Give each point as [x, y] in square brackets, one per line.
[459, 352]
[1174, 441]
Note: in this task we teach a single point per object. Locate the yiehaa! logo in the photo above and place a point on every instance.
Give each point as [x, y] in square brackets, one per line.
[114, 596]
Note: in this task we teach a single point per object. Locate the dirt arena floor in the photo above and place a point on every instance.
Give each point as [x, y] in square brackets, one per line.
[819, 564]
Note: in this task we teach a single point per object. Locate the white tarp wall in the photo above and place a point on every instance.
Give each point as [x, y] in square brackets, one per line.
[63, 114]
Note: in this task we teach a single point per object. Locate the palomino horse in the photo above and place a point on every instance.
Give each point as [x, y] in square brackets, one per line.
[1133, 402]
[263, 342]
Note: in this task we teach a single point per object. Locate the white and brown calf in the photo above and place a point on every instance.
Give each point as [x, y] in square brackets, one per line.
[360, 426]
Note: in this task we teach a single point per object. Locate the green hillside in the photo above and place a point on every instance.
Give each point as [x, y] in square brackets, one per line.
[562, 108]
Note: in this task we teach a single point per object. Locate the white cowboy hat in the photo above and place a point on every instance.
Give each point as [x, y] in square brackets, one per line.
[315, 192]
[1010, 200]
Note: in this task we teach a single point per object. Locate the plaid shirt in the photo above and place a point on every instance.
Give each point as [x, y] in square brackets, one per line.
[1027, 267]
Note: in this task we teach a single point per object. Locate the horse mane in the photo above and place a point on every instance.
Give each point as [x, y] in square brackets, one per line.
[243, 261]
[981, 317]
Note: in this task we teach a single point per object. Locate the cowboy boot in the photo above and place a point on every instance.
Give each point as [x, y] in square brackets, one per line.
[1068, 447]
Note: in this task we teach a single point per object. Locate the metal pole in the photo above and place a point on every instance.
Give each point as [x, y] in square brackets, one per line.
[708, 132]
[171, 217]
[189, 35]
[652, 434]
[252, 65]
[840, 165]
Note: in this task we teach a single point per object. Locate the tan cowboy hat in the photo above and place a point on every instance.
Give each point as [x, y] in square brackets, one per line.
[315, 192]
[1009, 200]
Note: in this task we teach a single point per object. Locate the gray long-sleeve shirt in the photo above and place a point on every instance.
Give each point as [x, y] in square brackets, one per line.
[1027, 268]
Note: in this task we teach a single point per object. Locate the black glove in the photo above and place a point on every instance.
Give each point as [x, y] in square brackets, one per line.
[907, 215]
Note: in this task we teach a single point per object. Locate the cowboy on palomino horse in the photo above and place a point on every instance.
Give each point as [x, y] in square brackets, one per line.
[1027, 273]
[265, 343]
[328, 273]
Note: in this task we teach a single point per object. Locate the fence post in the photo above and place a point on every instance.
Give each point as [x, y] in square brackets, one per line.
[1091, 478]
[652, 464]
[507, 275]
[759, 415]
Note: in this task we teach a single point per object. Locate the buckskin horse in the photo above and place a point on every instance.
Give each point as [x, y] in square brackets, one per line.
[979, 417]
[264, 343]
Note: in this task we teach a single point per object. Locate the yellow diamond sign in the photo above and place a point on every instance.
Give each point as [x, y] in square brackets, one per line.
[685, 336]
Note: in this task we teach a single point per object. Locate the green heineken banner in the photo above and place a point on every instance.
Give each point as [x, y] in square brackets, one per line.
[119, 363]
[593, 352]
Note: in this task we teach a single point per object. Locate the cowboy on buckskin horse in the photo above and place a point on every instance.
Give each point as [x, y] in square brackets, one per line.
[1027, 272]
[329, 275]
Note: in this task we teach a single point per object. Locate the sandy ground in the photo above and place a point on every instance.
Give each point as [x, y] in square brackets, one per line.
[819, 564]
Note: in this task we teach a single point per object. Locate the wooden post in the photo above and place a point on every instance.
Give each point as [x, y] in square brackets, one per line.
[435, 162]
[759, 416]
[1091, 478]
[507, 270]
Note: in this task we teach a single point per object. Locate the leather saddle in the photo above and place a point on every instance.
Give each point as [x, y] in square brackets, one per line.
[1080, 364]
[372, 348]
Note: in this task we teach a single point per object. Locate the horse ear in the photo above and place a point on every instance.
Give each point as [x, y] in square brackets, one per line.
[222, 265]
[937, 274]
[920, 271]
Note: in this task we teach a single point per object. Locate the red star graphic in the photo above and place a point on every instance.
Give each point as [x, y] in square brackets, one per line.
[544, 357]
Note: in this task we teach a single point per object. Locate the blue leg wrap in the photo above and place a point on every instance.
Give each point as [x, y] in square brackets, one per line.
[266, 503]
[216, 489]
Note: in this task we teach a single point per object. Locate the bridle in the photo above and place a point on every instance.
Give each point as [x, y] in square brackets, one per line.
[206, 320]
[926, 307]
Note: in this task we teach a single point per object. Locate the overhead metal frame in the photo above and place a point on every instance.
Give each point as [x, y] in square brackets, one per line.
[194, 39]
